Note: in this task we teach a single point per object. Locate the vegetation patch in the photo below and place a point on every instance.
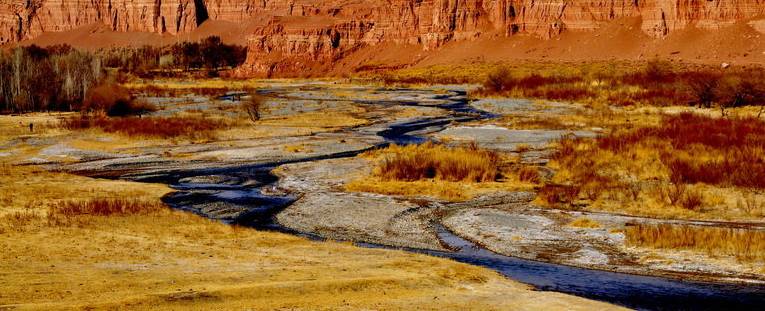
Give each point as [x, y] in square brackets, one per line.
[657, 83]
[449, 173]
[745, 245]
[584, 222]
[671, 169]
[104, 207]
[619, 83]
[160, 127]
[431, 161]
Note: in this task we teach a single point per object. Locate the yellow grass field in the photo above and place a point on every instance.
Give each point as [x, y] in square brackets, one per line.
[173, 260]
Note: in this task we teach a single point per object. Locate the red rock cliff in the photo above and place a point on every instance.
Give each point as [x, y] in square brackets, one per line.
[301, 31]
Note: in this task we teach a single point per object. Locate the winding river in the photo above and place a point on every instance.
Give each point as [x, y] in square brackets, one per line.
[251, 186]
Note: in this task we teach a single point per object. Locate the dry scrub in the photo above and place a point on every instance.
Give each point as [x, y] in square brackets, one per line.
[745, 245]
[104, 207]
[430, 161]
[656, 83]
[680, 168]
[449, 173]
[158, 127]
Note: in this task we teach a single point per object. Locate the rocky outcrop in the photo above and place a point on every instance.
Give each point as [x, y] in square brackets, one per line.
[299, 32]
[25, 19]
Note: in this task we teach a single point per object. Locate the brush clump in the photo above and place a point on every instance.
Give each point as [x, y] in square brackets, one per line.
[432, 161]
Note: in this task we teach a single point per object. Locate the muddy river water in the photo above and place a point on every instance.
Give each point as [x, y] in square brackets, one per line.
[252, 188]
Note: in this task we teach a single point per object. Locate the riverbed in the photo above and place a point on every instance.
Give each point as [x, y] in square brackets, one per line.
[256, 184]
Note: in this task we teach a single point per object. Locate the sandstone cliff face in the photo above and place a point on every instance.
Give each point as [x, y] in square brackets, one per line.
[292, 33]
[24, 19]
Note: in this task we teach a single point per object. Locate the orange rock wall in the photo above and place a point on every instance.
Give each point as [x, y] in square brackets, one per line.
[292, 33]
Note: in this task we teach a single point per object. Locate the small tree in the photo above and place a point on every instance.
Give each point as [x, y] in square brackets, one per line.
[252, 107]
[702, 87]
[501, 80]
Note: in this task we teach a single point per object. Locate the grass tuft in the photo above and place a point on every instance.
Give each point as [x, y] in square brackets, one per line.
[431, 161]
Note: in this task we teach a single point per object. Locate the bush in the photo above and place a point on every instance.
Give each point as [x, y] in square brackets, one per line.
[133, 107]
[106, 98]
[499, 81]
[744, 88]
[702, 87]
[656, 83]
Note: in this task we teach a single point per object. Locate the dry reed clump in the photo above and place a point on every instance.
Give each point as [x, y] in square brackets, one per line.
[161, 127]
[104, 207]
[745, 245]
[448, 173]
[431, 161]
[664, 165]
[529, 174]
[63, 213]
[737, 146]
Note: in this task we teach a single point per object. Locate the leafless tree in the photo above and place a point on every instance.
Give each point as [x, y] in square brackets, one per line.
[252, 106]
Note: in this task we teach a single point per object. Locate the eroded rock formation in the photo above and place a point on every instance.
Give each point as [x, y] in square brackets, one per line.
[300, 31]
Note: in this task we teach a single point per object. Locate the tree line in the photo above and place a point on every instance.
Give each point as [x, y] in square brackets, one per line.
[59, 77]
[209, 54]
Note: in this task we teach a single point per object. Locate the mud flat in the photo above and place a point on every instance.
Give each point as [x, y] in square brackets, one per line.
[324, 209]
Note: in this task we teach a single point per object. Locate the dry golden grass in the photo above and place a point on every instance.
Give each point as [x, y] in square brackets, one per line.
[448, 173]
[690, 167]
[584, 222]
[29, 188]
[159, 127]
[45, 125]
[744, 245]
[431, 161]
[160, 259]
